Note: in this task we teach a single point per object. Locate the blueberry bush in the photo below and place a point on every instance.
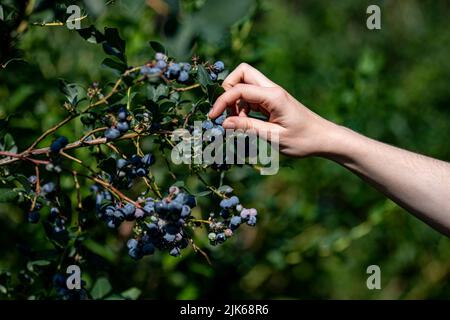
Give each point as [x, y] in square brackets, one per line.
[149, 100]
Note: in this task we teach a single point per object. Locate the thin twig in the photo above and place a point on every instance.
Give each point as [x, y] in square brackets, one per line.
[77, 187]
[38, 188]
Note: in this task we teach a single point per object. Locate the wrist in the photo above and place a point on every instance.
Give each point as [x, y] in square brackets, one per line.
[338, 143]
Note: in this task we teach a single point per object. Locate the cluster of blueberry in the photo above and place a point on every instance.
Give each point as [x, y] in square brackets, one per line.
[171, 70]
[160, 222]
[58, 144]
[211, 130]
[128, 169]
[120, 126]
[60, 285]
[163, 227]
[231, 216]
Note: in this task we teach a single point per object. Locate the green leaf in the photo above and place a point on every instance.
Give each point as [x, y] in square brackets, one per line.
[203, 193]
[7, 195]
[101, 250]
[203, 77]
[204, 107]
[101, 288]
[113, 51]
[113, 38]
[38, 263]
[225, 189]
[116, 65]
[131, 294]
[3, 125]
[214, 91]
[179, 183]
[91, 34]
[158, 47]
[165, 106]
[160, 92]
[114, 44]
[8, 144]
[69, 90]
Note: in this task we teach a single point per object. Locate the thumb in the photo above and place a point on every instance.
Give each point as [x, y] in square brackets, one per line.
[262, 128]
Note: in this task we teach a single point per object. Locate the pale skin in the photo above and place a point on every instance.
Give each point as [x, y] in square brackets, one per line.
[418, 183]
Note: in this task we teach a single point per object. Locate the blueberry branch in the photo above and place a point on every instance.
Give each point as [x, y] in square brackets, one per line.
[76, 144]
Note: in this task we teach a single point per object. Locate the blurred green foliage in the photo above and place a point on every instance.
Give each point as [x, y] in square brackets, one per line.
[320, 226]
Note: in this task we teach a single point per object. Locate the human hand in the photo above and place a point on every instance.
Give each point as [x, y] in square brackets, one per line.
[301, 132]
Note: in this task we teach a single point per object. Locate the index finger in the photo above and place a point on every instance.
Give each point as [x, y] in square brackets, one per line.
[245, 73]
[248, 93]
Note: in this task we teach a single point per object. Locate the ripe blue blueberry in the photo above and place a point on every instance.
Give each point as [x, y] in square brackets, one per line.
[207, 124]
[234, 201]
[148, 159]
[121, 163]
[187, 67]
[245, 213]
[160, 56]
[221, 237]
[152, 228]
[161, 64]
[141, 172]
[132, 244]
[185, 211]
[161, 207]
[58, 144]
[149, 70]
[235, 222]
[129, 209]
[149, 208]
[135, 253]
[224, 213]
[49, 187]
[183, 77]
[173, 70]
[219, 66]
[213, 76]
[123, 126]
[32, 179]
[175, 252]
[139, 213]
[169, 237]
[220, 120]
[251, 221]
[122, 114]
[148, 248]
[34, 216]
[216, 131]
[225, 204]
[112, 133]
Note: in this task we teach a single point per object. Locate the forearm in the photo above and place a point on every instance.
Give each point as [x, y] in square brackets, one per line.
[418, 183]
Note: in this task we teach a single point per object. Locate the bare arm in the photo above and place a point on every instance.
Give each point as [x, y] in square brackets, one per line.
[418, 183]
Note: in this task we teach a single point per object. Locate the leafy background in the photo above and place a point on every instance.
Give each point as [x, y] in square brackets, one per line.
[319, 226]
